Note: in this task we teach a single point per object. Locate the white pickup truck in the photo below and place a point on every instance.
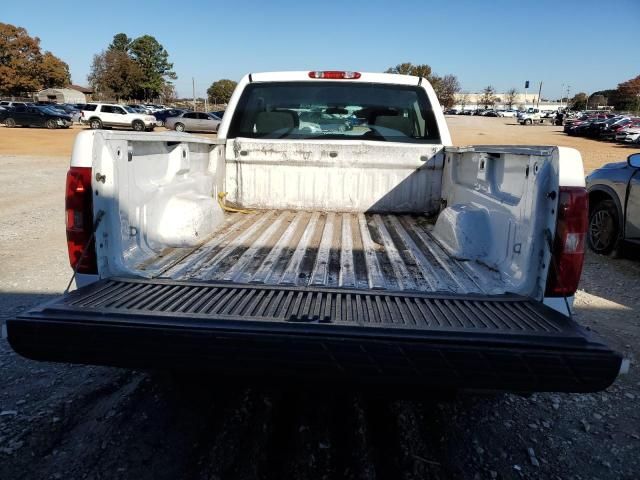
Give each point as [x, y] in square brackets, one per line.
[375, 255]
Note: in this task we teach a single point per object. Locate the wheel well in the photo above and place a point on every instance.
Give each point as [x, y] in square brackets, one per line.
[597, 196]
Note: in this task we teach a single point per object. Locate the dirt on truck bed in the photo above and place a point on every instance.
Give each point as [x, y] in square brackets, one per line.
[61, 421]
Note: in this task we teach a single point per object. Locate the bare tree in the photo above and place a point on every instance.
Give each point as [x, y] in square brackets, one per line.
[488, 97]
[446, 89]
[168, 94]
[510, 97]
[463, 100]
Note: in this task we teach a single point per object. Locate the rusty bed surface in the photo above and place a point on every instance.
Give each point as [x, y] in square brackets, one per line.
[311, 248]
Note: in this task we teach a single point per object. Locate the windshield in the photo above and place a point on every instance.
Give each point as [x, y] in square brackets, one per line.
[335, 110]
[129, 109]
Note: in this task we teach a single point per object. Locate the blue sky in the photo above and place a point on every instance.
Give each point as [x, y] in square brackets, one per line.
[490, 42]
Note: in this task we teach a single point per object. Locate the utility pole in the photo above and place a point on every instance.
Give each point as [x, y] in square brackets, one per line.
[539, 93]
[193, 80]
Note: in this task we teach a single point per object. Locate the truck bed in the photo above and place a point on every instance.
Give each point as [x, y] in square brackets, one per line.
[335, 250]
[353, 299]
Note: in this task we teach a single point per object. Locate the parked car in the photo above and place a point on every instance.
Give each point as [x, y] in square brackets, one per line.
[193, 122]
[451, 111]
[602, 127]
[491, 113]
[614, 205]
[218, 113]
[162, 115]
[100, 115]
[628, 134]
[507, 113]
[35, 116]
[139, 109]
[611, 131]
[67, 109]
[335, 276]
[7, 103]
[530, 116]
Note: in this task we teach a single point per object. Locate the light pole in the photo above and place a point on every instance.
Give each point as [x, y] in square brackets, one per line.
[561, 95]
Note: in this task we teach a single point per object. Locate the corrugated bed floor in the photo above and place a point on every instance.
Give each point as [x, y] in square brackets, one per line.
[351, 250]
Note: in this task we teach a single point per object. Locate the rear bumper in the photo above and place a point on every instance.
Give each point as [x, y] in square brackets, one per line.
[315, 349]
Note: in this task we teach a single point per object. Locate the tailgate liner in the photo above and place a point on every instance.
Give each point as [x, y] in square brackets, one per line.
[503, 342]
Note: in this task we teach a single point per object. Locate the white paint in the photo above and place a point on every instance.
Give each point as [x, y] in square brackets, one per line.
[464, 230]
[510, 185]
[570, 167]
[341, 176]
[160, 193]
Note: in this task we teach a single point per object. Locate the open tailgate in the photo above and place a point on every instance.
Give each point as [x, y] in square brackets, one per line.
[503, 342]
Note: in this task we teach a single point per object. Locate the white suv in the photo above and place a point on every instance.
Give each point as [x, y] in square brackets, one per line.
[99, 115]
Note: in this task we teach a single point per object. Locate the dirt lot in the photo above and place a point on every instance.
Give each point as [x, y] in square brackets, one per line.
[465, 130]
[73, 422]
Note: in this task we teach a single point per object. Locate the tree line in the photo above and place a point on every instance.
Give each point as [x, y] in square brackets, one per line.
[626, 97]
[133, 68]
[446, 86]
[24, 67]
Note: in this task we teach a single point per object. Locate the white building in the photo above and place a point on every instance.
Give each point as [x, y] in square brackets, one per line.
[61, 95]
[472, 101]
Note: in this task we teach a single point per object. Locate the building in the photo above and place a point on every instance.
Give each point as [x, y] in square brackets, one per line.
[86, 91]
[61, 95]
[472, 101]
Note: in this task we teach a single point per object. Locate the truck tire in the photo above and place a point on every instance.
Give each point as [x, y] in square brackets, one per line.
[138, 125]
[95, 124]
[604, 231]
[179, 127]
[51, 124]
[9, 122]
[528, 121]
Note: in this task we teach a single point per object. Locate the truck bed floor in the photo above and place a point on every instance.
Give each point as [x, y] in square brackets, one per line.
[349, 250]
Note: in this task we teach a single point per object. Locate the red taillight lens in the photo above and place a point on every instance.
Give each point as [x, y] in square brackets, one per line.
[568, 245]
[335, 75]
[79, 220]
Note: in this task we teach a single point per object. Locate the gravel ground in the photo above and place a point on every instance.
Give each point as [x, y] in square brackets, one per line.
[74, 422]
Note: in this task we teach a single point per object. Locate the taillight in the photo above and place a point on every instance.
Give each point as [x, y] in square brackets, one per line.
[568, 245]
[335, 75]
[79, 220]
